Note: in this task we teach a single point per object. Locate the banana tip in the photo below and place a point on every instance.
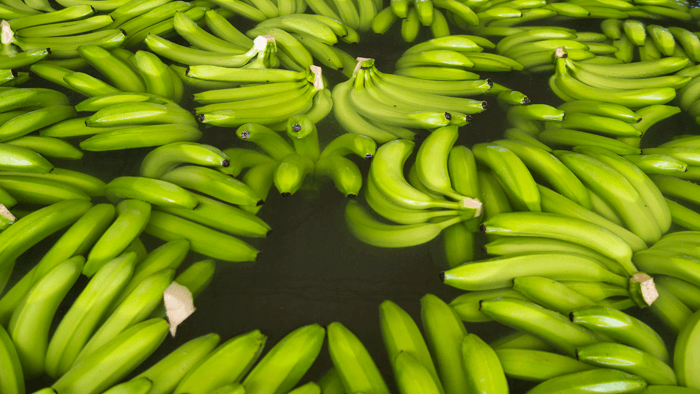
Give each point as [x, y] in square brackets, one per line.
[442, 277]
[480, 302]
[48, 51]
[482, 228]
[489, 82]
[351, 195]
[576, 354]
[225, 163]
[187, 71]
[267, 234]
[259, 203]
[484, 105]
[369, 156]
[286, 194]
[526, 100]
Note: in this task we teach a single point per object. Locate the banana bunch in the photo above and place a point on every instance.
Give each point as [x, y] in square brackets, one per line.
[652, 41]
[235, 107]
[287, 165]
[211, 50]
[623, 84]
[459, 52]
[418, 206]
[534, 48]
[304, 37]
[384, 106]
[127, 120]
[127, 72]
[432, 13]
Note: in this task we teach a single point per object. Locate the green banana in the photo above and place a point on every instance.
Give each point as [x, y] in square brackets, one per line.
[627, 359]
[537, 365]
[598, 380]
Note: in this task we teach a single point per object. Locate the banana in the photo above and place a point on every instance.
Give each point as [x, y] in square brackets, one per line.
[291, 172]
[153, 191]
[140, 113]
[623, 328]
[369, 230]
[681, 289]
[141, 136]
[247, 92]
[352, 121]
[383, 21]
[466, 306]
[31, 320]
[240, 159]
[132, 217]
[345, 174]
[271, 142]
[499, 272]
[49, 147]
[627, 359]
[506, 165]
[553, 202]
[117, 72]
[17, 158]
[35, 120]
[212, 183]
[103, 101]
[598, 380]
[548, 167]
[444, 331]
[197, 276]
[26, 58]
[520, 340]
[114, 361]
[330, 382]
[81, 320]
[195, 35]
[203, 240]
[356, 369]
[610, 110]
[567, 137]
[387, 209]
[135, 308]
[345, 144]
[302, 131]
[432, 162]
[623, 197]
[551, 294]
[260, 178]
[191, 56]
[298, 349]
[686, 344]
[36, 226]
[401, 335]
[671, 311]
[550, 326]
[134, 386]
[493, 196]
[167, 256]
[66, 14]
[12, 378]
[223, 217]
[411, 375]
[523, 245]
[537, 365]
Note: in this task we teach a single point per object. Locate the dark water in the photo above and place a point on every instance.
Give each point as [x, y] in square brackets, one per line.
[312, 270]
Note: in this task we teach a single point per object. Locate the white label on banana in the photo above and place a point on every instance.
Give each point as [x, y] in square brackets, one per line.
[472, 203]
[6, 212]
[178, 305]
[260, 42]
[318, 76]
[649, 291]
[7, 33]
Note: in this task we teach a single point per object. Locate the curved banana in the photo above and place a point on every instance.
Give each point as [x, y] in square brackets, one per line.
[598, 380]
[550, 326]
[79, 323]
[153, 191]
[444, 334]
[112, 362]
[17, 158]
[291, 172]
[135, 308]
[298, 349]
[537, 365]
[623, 328]
[203, 239]
[31, 320]
[628, 359]
[411, 376]
[11, 375]
[134, 386]
[356, 369]
[482, 367]
[551, 294]
[213, 183]
[132, 217]
[345, 174]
